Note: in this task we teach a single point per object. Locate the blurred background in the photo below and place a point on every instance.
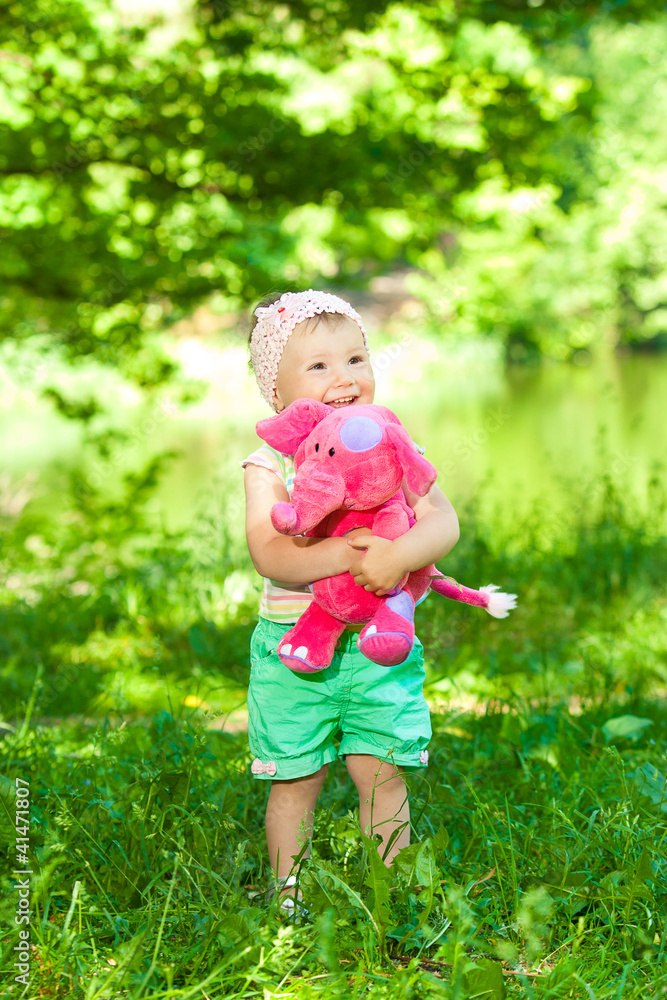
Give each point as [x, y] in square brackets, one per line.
[485, 181]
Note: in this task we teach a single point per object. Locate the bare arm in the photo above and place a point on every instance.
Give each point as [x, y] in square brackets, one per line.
[430, 539]
[291, 560]
[435, 533]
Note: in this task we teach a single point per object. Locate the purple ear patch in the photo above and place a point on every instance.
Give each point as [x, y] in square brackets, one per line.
[360, 434]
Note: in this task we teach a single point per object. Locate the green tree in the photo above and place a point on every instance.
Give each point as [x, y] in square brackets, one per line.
[300, 142]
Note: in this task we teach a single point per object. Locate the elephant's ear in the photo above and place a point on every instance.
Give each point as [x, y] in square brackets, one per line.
[384, 411]
[419, 473]
[288, 429]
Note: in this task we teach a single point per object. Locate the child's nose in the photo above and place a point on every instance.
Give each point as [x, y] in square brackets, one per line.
[344, 376]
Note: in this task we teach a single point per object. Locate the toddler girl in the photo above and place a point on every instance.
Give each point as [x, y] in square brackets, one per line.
[313, 345]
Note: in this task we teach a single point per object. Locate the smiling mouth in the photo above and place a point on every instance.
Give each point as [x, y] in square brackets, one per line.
[343, 401]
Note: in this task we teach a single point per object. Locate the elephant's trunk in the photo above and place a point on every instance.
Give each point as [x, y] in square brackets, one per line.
[317, 492]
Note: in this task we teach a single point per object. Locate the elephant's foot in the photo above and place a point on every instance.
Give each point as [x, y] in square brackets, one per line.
[310, 645]
[388, 639]
[303, 659]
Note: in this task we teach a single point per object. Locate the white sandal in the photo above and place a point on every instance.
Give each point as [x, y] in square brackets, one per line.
[289, 904]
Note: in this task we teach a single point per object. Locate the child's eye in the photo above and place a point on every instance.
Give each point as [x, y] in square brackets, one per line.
[357, 358]
[315, 367]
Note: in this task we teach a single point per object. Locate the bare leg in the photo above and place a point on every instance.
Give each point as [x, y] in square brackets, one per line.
[289, 819]
[383, 801]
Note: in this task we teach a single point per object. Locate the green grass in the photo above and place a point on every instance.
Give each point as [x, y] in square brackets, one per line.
[539, 861]
[538, 866]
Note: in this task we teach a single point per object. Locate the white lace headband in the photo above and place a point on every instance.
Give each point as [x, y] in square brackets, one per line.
[275, 324]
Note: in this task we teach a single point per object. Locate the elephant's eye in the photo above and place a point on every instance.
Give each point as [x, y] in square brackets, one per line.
[332, 451]
[317, 447]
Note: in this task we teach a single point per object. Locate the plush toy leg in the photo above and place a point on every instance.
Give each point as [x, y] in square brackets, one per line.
[310, 645]
[389, 636]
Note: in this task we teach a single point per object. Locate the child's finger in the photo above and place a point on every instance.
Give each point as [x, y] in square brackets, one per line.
[361, 542]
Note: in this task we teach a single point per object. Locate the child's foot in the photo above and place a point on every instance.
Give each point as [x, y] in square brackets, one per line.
[290, 897]
[388, 639]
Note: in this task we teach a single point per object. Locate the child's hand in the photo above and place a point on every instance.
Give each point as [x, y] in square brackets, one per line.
[377, 570]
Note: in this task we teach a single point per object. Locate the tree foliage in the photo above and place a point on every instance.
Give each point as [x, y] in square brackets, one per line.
[493, 147]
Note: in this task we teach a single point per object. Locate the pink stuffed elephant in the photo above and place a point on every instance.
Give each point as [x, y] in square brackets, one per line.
[350, 464]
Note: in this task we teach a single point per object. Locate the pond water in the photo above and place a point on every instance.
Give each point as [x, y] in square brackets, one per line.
[500, 435]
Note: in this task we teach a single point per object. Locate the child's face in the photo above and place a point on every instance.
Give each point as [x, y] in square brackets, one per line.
[328, 363]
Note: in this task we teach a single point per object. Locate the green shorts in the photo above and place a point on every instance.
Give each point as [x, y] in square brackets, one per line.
[298, 722]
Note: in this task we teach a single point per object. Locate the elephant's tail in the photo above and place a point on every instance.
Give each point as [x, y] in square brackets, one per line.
[496, 602]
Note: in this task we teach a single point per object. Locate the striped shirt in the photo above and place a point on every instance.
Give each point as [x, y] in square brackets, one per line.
[280, 602]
